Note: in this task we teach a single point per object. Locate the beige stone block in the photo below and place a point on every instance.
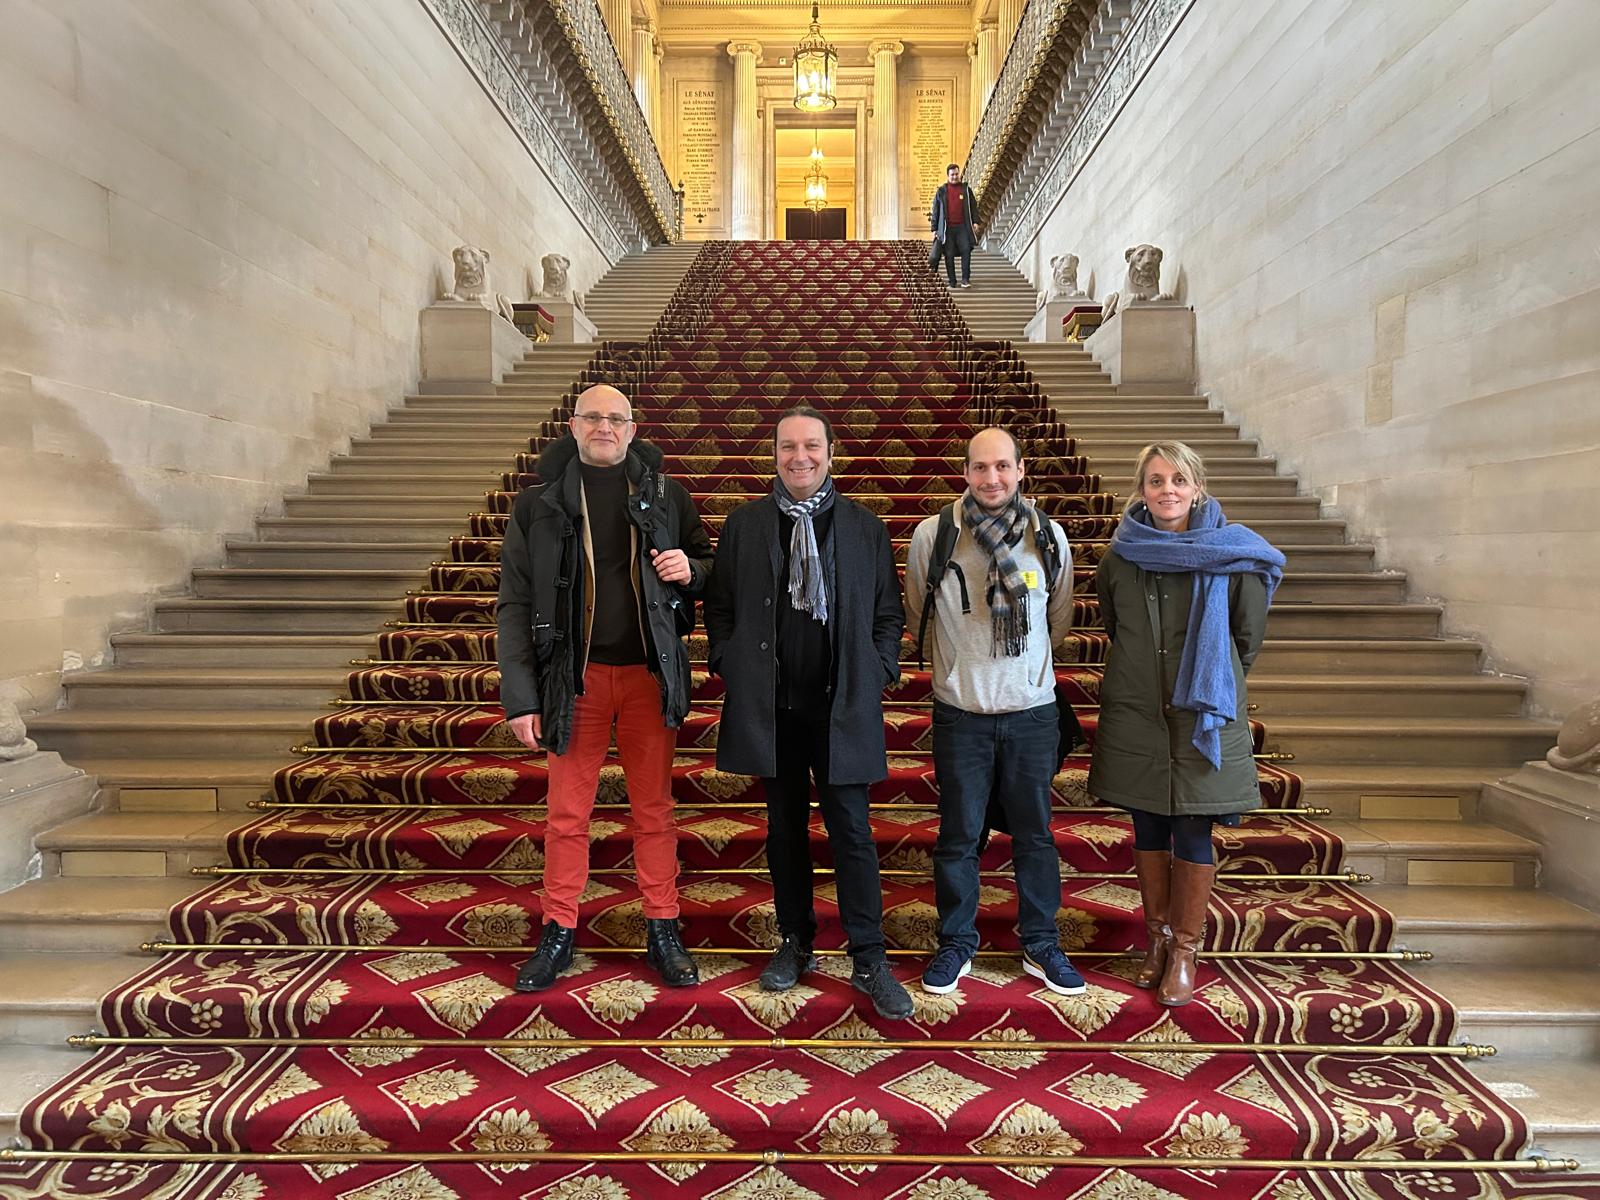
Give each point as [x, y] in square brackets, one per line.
[45, 195]
[1380, 393]
[467, 346]
[1376, 806]
[1460, 873]
[123, 863]
[189, 800]
[1147, 346]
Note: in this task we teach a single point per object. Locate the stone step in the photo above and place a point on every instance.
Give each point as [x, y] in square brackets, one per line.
[1323, 694]
[1443, 792]
[25, 1071]
[47, 998]
[281, 583]
[1111, 450]
[254, 650]
[88, 916]
[469, 443]
[1488, 741]
[118, 845]
[1553, 1011]
[495, 456]
[173, 732]
[1434, 853]
[197, 783]
[1498, 926]
[377, 505]
[1557, 1095]
[393, 556]
[1393, 656]
[250, 616]
[359, 529]
[189, 687]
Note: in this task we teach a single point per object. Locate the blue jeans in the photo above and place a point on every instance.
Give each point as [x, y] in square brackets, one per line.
[1011, 756]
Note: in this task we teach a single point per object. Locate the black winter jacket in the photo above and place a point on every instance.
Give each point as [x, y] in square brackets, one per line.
[546, 578]
[866, 621]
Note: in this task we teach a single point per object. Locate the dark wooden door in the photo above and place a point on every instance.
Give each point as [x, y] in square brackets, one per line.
[801, 224]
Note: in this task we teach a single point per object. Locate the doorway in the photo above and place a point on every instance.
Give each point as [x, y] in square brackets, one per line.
[793, 150]
[801, 224]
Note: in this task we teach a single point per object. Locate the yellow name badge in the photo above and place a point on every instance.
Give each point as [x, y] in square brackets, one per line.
[1031, 578]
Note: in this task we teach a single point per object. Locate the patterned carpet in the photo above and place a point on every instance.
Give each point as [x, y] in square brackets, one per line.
[341, 995]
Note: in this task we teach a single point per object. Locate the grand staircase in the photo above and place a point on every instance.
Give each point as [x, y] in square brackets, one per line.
[379, 896]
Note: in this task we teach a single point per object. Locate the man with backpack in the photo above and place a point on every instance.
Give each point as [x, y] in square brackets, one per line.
[989, 590]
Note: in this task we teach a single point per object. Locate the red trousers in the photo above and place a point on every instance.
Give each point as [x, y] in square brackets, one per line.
[631, 697]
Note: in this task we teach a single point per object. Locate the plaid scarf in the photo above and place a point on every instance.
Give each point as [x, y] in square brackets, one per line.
[1007, 592]
[807, 592]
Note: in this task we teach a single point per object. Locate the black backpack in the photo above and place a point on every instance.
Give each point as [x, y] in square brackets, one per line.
[944, 545]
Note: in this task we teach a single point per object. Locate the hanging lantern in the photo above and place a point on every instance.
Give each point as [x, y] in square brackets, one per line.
[816, 181]
[816, 69]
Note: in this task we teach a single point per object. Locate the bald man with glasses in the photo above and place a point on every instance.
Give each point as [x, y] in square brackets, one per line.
[599, 573]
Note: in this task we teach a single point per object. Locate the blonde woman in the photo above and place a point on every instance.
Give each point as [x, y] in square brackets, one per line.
[1184, 597]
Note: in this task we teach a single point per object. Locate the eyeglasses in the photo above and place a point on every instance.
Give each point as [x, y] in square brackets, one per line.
[615, 420]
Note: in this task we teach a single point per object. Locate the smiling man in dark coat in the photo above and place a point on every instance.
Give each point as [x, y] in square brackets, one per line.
[804, 619]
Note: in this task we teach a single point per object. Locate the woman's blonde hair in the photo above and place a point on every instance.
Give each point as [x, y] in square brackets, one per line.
[1189, 464]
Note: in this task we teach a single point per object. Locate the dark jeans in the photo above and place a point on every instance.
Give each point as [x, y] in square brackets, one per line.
[1011, 756]
[1189, 838]
[802, 754]
[958, 240]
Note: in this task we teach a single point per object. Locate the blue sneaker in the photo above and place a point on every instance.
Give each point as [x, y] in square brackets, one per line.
[946, 970]
[1051, 964]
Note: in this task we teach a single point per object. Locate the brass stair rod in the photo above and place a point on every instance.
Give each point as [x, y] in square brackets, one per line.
[268, 804]
[95, 1041]
[1268, 757]
[732, 951]
[214, 872]
[796, 1158]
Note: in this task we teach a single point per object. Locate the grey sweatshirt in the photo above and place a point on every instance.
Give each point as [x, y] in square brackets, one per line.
[966, 672]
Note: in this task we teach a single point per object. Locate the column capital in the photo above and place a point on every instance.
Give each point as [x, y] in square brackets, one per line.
[885, 46]
[746, 47]
[988, 25]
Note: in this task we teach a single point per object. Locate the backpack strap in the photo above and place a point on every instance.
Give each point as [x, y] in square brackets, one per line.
[944, 545]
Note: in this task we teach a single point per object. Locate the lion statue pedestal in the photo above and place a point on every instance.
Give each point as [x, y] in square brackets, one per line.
[1556, 803]
[1146, 339]
[37, 792]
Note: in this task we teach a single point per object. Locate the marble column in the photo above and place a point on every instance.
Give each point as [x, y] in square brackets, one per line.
[885, 168]
[619, 24]
[643, 70]
[655, 87]
[746, 142]
[974, 96]
[1010, 18]
[988, 61]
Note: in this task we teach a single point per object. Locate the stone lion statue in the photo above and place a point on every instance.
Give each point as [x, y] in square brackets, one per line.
[555, 285]
[1143, 281]
[14, 741]
[472, 281]
[1577, 747]
[1063, 280]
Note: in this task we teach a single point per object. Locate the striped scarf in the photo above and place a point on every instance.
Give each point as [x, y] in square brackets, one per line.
[807, 592]
[1007, 590]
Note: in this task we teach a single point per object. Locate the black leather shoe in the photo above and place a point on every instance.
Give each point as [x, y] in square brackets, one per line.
[888, 997]
[664, 951]
[789, 961]
[553, 956]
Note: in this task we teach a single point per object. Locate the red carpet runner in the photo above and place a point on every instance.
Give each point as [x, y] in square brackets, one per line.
[411, 831]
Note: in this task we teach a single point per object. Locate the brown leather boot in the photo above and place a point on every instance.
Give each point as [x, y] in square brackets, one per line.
[1186, 913]
[1154, 869]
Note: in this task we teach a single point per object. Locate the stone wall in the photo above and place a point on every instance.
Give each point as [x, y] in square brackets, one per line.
[218, 225]
[1384, 216]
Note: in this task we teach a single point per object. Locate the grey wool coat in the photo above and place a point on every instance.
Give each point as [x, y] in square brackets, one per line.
[1143, 755]
[866, 619]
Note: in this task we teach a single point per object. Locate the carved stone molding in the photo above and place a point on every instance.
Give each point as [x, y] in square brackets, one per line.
[1104, 73]
[554, 72]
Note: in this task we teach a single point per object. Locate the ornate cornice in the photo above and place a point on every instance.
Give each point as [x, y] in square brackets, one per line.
[551, 68]
[1048, 38]
[1085, 108]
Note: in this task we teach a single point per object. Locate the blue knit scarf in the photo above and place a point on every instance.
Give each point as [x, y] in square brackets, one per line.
[1212, 549]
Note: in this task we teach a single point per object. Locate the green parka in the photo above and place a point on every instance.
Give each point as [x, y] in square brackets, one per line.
[1144, 757]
